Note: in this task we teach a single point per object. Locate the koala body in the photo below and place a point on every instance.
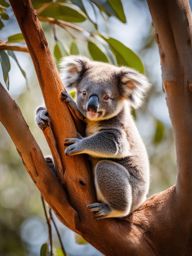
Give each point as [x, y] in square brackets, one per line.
[105, 94]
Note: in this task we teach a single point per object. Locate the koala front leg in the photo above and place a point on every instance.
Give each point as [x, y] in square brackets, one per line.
[74, 146]
[103, 144]
[72, 105]
[43, 121]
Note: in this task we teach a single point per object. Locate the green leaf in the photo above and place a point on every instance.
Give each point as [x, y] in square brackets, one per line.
[4, 3]
[159, 132]
[118, 9]
[59, 51]
[67, 12]
[5, 64]
[12, 54]
[39, 3]
[79, 239]
[104, 7]
[59, 252]
[74, 49]
[4, 16]
[44, 250]
[16, 38]
[72, 93]
[90, 11]
[134, 114]
[124, 55]
[1, 24]
[96, 53]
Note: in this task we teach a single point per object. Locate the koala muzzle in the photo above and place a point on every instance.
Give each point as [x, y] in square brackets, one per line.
[93, 103]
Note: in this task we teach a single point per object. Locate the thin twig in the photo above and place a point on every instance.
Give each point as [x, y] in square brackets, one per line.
[49, 226]
[61, 23]
[12, 47]
[42, 8]
[57, 231]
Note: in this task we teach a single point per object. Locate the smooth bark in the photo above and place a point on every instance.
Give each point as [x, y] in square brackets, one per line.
[30, 153]
[173, 25]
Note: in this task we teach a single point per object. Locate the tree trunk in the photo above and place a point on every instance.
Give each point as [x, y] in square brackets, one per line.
[162, 225]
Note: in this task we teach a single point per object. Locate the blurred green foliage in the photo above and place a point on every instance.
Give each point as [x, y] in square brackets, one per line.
[84, 31]
[61, 11]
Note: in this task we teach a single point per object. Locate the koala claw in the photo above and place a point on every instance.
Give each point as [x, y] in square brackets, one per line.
[65, 96]
[101, 210]
[70, 141]
[50, 163]
[72, 149]
[42, 117]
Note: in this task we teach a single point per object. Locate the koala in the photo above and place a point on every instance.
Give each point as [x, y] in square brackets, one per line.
[105, 95]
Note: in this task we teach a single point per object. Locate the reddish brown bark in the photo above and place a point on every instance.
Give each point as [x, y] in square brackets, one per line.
[162, 225]
[32, 158]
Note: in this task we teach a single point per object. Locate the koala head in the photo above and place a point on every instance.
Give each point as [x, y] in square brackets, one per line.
[102, 89]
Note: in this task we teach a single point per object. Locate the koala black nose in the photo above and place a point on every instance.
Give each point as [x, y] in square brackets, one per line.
[93, 103]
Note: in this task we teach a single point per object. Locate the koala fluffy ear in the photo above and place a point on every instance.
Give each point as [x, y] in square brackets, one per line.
[133, 86]
[72, 68]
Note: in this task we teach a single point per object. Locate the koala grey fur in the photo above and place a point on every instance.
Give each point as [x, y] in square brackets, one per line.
[105, 95]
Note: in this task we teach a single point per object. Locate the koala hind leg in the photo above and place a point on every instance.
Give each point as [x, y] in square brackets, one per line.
[113, 190]
[42, 117]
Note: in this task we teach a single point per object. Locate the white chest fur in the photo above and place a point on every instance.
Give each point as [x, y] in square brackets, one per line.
[92, 128]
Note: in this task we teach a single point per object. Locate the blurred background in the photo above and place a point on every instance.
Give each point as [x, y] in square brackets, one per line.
[119, 32]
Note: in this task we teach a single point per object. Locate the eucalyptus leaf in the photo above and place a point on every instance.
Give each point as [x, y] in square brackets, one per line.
[124, 55]
[59, 252]
[159, 132]
[118, 9]
[67, 12]
[4, 16]
[96, 52]
[74, 49]
[104, 7]
[89, 10]
[39, 3]
[44, 250]
[5, 64]
[4, 3]
[16, 38]
[1, 24]
[72, 93]
[59, 51]
[12, 54]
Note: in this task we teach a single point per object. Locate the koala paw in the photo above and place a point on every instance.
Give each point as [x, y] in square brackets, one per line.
[42, 118]
[65, 96]
[100, 210]
[50, 163]
[74, 146]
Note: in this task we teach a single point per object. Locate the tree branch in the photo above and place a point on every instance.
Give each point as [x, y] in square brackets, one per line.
[32, 158]
[62, 24]
[12, 47]
[62, 122]
[48, 133]
[173, 24]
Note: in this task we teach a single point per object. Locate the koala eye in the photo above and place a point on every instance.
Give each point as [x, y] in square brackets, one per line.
[84, 93]
[106, 97]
